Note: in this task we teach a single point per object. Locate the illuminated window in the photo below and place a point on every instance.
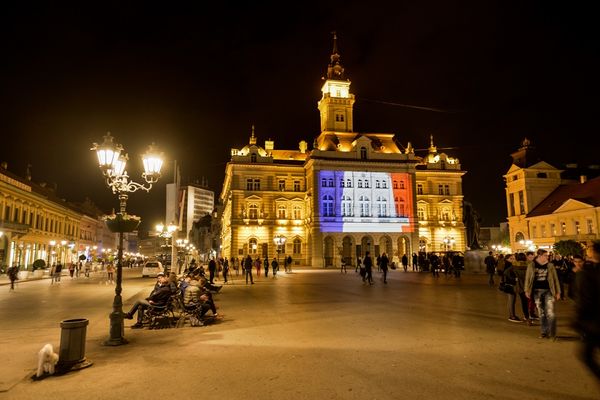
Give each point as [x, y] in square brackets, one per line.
[253, 211]
[521, 202]
[347, 206]
[296, 186]
[297, 249]
[297, 212]
[590, 226]
[253, 246]
[421, 214]
[281, 212]
[563, 228]
[256, 184]
[381, 207]
[543, 230]
[281, 185]
[440, 189]
[577, 228]
[447, 190]
[365, 206]
[328, 206]
[419, 188]
[553, 229]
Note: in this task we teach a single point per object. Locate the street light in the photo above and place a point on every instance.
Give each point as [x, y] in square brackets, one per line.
[279, 242]
[112, 162]
[168, 232]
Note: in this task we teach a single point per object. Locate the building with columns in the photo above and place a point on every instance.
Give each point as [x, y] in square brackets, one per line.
[352, 193]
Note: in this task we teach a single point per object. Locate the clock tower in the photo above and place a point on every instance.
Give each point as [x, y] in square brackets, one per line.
[336, 104]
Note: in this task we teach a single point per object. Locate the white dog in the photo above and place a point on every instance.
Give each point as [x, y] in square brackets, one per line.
[47, 360]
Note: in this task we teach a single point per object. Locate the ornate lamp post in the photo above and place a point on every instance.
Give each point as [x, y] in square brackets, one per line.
[112, 162]
[167, 232]
[279, 242]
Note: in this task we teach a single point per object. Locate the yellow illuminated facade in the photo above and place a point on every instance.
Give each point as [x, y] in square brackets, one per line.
[352, 193]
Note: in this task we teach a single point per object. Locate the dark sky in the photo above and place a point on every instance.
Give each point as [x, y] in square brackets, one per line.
[194, 80]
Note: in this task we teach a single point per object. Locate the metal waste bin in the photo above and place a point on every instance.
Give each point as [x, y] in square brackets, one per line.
[72, 344]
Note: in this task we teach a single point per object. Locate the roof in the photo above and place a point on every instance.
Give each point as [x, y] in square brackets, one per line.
[588, 193]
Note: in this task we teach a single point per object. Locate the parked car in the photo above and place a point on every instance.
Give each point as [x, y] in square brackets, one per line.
[152, 268]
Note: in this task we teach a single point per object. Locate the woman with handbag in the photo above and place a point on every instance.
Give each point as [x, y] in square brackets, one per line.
[510, 284]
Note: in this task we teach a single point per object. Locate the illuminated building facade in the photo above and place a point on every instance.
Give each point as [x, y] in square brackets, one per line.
[352, 193]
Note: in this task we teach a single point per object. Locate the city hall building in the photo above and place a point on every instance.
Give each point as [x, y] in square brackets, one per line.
[352, 193]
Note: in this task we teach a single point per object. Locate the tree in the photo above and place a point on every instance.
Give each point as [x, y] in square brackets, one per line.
[568, 247]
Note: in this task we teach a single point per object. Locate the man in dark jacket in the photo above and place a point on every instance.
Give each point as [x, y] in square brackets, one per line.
[587, 308]
[490, 267]
[159, 297]
[383, 264]
[212, 269]
[368, 263]
[248, 268]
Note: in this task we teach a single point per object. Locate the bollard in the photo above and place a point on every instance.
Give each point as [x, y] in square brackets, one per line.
[72, 345]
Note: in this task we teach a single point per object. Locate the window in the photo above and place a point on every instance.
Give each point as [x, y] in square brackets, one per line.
[395, 184]
[421, 214]
[400, 206]
[297, 212]
[419, 188]
[330, 181]
[534, 231]
[328, 206]
[249, 184]
[348, 183]
[542, 175]
[281, 184]
[360, 183]
[563, 228]
[590, 226]
[440, 189]
[256, 184]
[253, 157]
[253, 246]
[384, 184]
[577, 228]
[553, 229]
[512, 205]
[281, 212]
[377, 184]
[347, 206]
[16, 216]
[447, 190]
[364, 205]
[253, 211]
[363, 153]
[296, 186]
[445, 214]
[543, 230]
[342, 183]
[297, 249]
[339, 117]
[381, 207]
[401, 184]
[367, 184]
[323, 182]
[521, 202]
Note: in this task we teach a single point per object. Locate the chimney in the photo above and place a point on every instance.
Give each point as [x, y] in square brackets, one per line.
[582, 178]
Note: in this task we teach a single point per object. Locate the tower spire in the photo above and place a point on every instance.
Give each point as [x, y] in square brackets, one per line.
[252, 137]
[335, 69]
[432, 148]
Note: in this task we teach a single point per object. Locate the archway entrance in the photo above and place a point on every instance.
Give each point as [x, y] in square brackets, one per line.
[403, 246]
[347, 250]
[366, 244]
[385, 246]
[328, 252]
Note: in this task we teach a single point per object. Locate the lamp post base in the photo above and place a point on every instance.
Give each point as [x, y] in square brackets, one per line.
[117, 330]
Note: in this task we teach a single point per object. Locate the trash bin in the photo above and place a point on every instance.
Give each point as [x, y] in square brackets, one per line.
[72, 344]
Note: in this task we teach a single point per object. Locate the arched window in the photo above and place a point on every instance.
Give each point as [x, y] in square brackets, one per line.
[297, 212]
[363, 153]
[381, 207]
[323, 182]
[328, 206]
[330, 181]
[365, 206]
[347, 206]
[281, 211]
[253, 246]
[519, 236]
[297, 246]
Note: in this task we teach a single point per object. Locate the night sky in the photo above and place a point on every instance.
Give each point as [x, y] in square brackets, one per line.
[194, 80]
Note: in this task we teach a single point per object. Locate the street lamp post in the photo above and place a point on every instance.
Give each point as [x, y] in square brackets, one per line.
[167, 232]
[112, 161]
[279, 242]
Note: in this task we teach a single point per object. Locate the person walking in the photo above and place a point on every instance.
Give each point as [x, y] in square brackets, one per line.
[288, 260]
[510, 278]
[212, 269]
[490, 267]
[72, 270]
[266, 267]
[368, 263]
[274, 266]
[248, 268]
[415, 262]
[13, 275]
[110, 272]
[383, 264]
[519, 266]
[587, 309]
[404, 261]
[541, 283]
[225, 269]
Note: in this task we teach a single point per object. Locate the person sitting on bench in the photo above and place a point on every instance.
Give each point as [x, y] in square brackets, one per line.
[159, 297]
[200, 297]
